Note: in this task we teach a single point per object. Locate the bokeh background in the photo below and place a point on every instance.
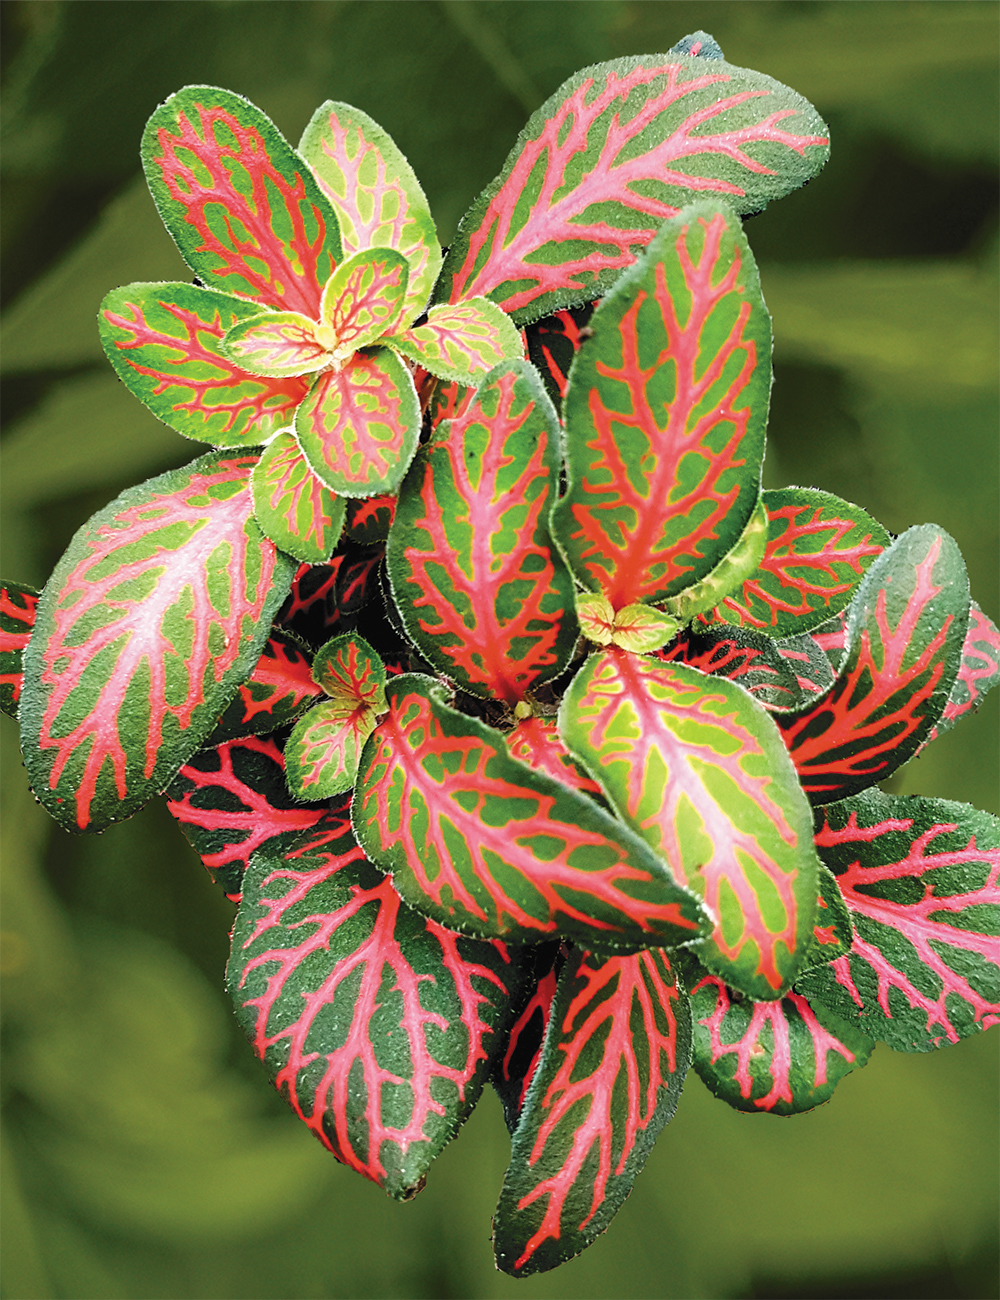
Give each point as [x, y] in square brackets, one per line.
[144, 1154]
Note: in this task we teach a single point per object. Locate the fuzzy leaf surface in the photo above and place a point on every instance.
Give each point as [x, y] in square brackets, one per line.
[780, 675]
[978, 672]
[18, 605]
[293, 508]
[514, 1070]
[364, 298]
[278, 690]
[536, 741]
[461, 341]
[276, 343]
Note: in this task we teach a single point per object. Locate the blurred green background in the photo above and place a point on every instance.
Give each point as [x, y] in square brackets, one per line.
[144, 1154]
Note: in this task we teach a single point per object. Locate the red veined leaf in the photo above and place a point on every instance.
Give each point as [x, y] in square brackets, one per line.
[818, 550]
[978, 672]
[921, 879]
[833, 932]
[156, 613]
[276, 343]
[357, 581]
[618, 149]
[363, 300]
[377, 198]
[780, 1057]
[728, 574]
[616, 1052]
[831, 638]
[696, 767]
[482, 843]
[905, 633]
[358, 425]
[553, 343]
[242, 206]
[536, 741]
[294, 509]
[165, 343]
[311, 610]
[639, 628]
[447, 401]
[233, 800]
[461, 341]
[350, 671]
[479, 586]
[369, 520]
[18, 604]
[375, 1024]
[278, 690]
[665, 415]
[514, 1069]
[780, 675]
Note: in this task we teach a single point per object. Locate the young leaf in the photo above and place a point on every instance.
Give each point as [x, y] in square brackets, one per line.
[276, 343]
[461, 341]
[665, 415]
[294, 509]
[233, 800]
[618, 149]
[978, 672]
[242, 206]
[780, 1057]
[165, 342]
[616, 1052]
[480, 588]
[364, 300]
[696, 767]
[905, 634]
[278, 690]
[921, 879]
[482, 843]
[375, 1024]
[18, 605]
[156, 613]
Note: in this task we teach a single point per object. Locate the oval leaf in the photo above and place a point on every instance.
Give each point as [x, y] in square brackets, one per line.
[461, 341]
[294, 509]
[278, 343]
[364, 299]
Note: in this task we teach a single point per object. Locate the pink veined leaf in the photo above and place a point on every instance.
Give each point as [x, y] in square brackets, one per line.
[831, 638]
[293, 508]
[280, 687]
[375, 1024]
[617, 150]
[978, 672]
[921, 879]
[616, 1053]
[18, 605]
[536, 741]
[780, 675]
[364, 299]
[349, 670]
[280, 343]
[514, 1070]
[165, 342]
[242, 206]
[156, 613]
[461, 341]
[665, 415]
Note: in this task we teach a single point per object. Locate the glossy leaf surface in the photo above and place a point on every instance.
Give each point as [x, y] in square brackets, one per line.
[158, 610]
[242, 206]
[665, 415]
[480, 842]
[481, 589]
[18, 605]
[921, 879]
[293, 508]
[616, 1053]
[461, 341]
[278, 690]
[695, 767]
[165, 343]
[618, 149]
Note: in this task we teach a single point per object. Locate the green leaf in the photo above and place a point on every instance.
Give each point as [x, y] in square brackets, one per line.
[364, 300]
[278, 344]
[18, 605]
[461, 341]
[294, 509]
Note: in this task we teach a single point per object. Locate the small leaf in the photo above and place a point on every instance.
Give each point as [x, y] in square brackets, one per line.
[279, 344]
[293, 508]
[364, 300]
[278, 690]
[18, 604]
[350, 672]
[461, 341]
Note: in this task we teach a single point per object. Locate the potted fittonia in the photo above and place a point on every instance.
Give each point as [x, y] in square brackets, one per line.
[535, 744]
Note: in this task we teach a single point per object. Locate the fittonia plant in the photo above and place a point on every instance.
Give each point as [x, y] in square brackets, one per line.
[535, 743]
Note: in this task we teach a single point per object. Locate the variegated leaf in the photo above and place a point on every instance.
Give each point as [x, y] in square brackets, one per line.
[618, 149]
[921, 879]
[482, 843]
[978, 672]
[369, 520]
[242, 206]
[358, 425]
[377, 198]
[165, 343]
[536, 741]
[18, 605]
[279, 689]
[696, 767]
[905, 633]
[665, 415]
[363, 300]
[276, 343]
[514, 1069]
[728, 574]
[833, 932]
[481, 590]
[831, 638]
[156, 613]
[294, 509]
[461, 341]
[616, 1053]
[781, 675]
[311, 610]
[375, 1024]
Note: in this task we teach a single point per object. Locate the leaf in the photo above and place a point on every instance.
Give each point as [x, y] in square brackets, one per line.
[818, 550]
[231, 801]
[905, 633]
[18, 604]
[553, 343]
[293, 508]
[780, 1057]
[481, 590]
[364, 299]
[831, 638]
[978, 672]
[536, 742]
[242, 206]
[165, 343]
[638, 628]
[728, 574]
[461, 341]
[311, 610]
[375, 1024]
[920, 879]
[833, 932]
[617, 150]
[377, 197]
[695, 767]
[358, 426]
[278, 344]
[514, 1070]
[369, 520]
[156, 613]
[280, 687]
[665, 415]
[481, 842]
[616, 1052]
